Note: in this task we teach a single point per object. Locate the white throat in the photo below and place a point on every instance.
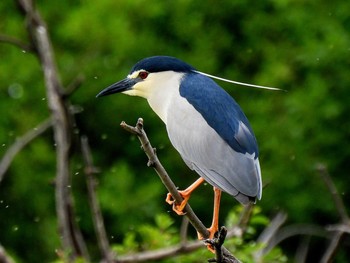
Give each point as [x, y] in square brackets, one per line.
[163, 86]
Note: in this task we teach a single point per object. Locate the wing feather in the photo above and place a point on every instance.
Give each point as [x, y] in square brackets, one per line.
[226, 159]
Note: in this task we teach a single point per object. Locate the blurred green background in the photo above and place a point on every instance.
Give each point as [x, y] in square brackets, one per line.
[299, 46]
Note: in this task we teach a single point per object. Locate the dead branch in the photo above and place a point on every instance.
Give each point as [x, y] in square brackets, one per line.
[267, 235]
[338, 201]
[71, 238]
[302, 250]
[96, 213]
[340, 206]
[19, 144]
[332, 248]
[162, 253]
[16, 42]
[295, 230]
[168, 183]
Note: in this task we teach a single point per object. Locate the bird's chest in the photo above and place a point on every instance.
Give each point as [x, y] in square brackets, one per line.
[187, 129]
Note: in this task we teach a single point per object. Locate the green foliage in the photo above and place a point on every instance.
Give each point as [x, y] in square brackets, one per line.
[302, 47]
[163, 234]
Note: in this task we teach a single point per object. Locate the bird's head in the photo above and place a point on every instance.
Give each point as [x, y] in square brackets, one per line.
[147, 75]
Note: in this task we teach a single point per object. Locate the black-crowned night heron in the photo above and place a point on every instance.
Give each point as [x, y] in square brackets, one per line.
[205, 125]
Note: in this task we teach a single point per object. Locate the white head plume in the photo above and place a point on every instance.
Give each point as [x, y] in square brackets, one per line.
[238, 83]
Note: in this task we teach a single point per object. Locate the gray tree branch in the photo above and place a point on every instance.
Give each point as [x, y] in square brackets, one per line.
[96, 214]
[19, 144]
[72, 241]
[340, 206]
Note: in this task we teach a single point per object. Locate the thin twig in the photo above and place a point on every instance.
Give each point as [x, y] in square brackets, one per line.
[19, 144]
[267, 235]
[162, 253]
[168, 183]
[340, 206]
[74, 85]
[97, 218]
[332, 248]
[16, 42]
[184, 229]
[338, 201]
[295, 230]
[302, 250]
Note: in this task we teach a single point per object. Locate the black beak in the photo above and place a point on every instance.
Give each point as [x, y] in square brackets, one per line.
[123, 85]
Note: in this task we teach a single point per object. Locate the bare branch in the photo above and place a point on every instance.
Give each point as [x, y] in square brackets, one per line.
[302, 250]
[295, 230]
[332, 248]
[97, 218]
[19, 144]
[267, 235]
[338, 201]
[340, 228]
[71, 238]
[16, 42]
[74, 85]
[162, 253]
[339, 204]
[168, 183]
[184, 229]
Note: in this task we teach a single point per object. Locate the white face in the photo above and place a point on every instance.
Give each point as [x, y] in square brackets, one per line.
[158, 88]
[150, 83]
[142, 87]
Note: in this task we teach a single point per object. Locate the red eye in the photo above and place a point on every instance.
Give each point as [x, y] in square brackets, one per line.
[143, 74]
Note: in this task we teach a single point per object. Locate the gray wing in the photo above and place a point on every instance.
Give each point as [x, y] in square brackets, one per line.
[210, 156]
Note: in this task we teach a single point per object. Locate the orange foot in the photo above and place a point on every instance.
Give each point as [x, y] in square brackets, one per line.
[185, 194]
[178, 208]
[212, 231]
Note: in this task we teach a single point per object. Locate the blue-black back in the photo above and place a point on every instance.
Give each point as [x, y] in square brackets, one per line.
[220, 111]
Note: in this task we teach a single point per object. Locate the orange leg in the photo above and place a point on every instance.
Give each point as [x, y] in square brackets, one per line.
[215, 222]
[178, 208]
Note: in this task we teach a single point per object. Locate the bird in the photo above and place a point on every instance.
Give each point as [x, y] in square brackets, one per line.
[204, 124]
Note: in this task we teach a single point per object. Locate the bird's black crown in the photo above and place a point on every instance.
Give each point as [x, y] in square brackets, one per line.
[162, 63]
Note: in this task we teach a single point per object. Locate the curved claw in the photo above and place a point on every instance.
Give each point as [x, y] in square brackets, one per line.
[178, 208]
[212, 231]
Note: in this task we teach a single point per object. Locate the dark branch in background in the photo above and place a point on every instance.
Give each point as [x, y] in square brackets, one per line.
[16, 42]
[154, 162]
[339, 204]
[20, 143]
[302, 250]
[338, 201]
[268, 234]
[71, 238]
[97, 218]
